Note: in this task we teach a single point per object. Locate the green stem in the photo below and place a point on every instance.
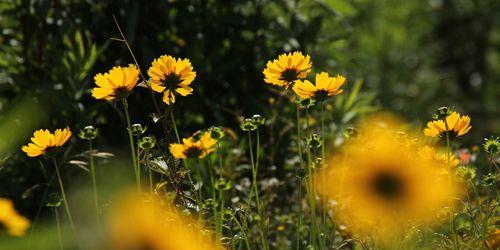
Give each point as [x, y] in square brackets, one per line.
[323, 159]
[242, 230]
[448, 151]
[59, 234]
[94, 183]
[65, 199]
[174, 125]
[132, 145]
[256, 191]
[299, 149]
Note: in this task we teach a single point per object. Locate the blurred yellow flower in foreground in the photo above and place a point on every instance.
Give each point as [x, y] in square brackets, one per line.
[382, 186]
[457, 126]
[193, 147]
[44, 142]
[288, 68]
[324, 87]
[14, 223]
[171, 77]
[115, 84]
[145, 223]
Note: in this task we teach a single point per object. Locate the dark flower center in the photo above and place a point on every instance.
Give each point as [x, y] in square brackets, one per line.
[388, 186]
[289, 75]
[452, 134]
[172, 80]
[320, 95]
[193, 152]
[121, 93]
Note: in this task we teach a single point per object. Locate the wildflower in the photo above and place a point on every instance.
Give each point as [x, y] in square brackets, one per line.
[430, 153]
[193, 148]
[138, 129]
[492, 146]
[10, 220]
[147, 142]
[139, 224]
[456, 125]
[88, 133]
[116, 84]
[288, 68]
[171, 76]
[466, 173]
[381, 187]
[325, 86]
[44, 142]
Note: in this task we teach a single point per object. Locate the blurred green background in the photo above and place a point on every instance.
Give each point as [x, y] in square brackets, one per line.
[412, 57]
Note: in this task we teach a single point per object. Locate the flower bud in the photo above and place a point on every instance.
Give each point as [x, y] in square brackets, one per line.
[492, 146]
[442, 113]
[88, 133]
[248, 125]
[216, 132]
[314, 141]
[258, 120]
[137, 129]
[306, 103]
[147, 142]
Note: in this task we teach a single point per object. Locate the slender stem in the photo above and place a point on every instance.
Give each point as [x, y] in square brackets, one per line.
[94, 183]
[65, 199]
[299, 151]
[59, 234]
[256, 191]
[132, 145]
[150, 172]
[242, 230]
[448, 152]
[174, 125]
[323, 159]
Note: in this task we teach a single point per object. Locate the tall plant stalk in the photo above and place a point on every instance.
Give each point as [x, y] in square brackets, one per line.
[94, 183]
[132, 146]
[65, 198]
[448, 151]
[299, 203]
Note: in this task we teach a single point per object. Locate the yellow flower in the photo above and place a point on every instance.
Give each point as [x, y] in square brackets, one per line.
[324, 87]
[116, 84]
[44, 142]
[14, 223]
[140, 223]
[288, 68]
[171, 77]
[382, 188]
[430, 153]
[457, 126]
[193, 147]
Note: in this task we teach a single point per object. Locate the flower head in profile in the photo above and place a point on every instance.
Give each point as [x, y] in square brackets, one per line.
[382, 187]
[287, 69]
[324, 86]
[10, 220]
[171, 77]
[430, 153]
[148, 223]
[116, 84]
[455, 124]
[44, 142]
[196, 146]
